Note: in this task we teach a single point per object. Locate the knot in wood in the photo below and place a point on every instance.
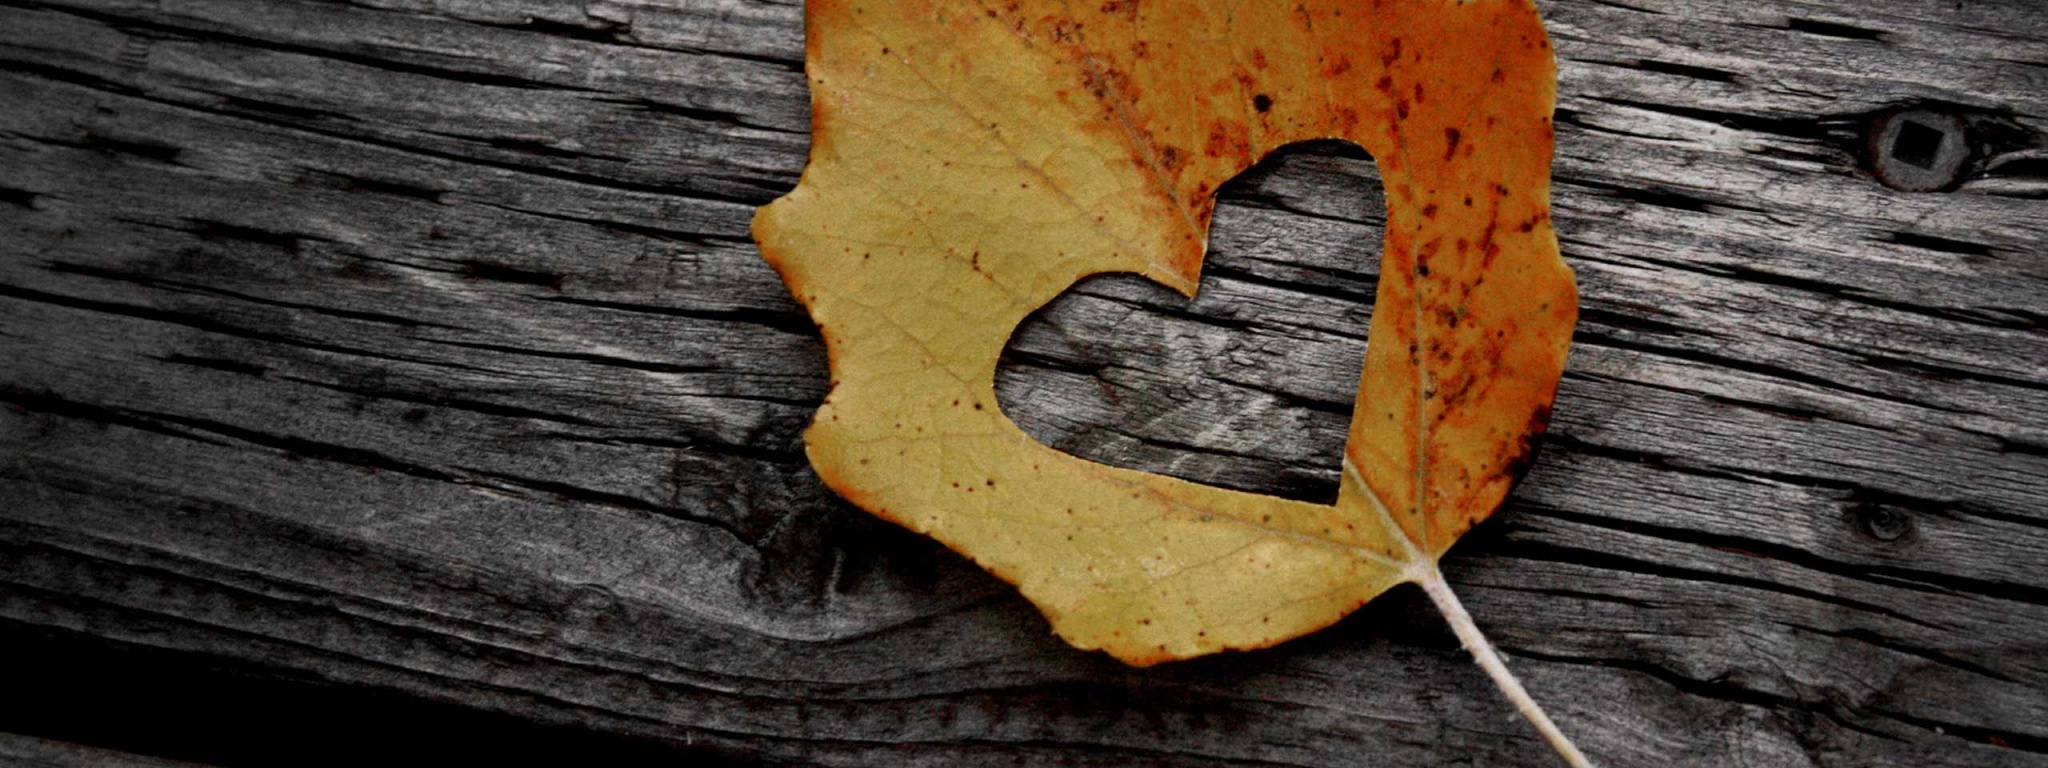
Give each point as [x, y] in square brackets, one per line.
[1918, 150]
[1882, 522]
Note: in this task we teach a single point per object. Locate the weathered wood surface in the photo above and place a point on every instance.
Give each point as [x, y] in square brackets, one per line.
[418, 346]
[30, 752]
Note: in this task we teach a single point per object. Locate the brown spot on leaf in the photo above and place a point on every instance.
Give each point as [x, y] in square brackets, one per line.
[1517, 457]
[1228, 140]
[1347, 120]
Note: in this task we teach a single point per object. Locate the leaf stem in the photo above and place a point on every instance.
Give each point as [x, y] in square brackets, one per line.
[1432, 581]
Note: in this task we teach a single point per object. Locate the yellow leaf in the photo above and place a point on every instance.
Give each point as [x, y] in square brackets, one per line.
[971, 161]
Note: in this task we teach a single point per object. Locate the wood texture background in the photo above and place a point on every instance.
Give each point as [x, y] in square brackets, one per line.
[404, 366]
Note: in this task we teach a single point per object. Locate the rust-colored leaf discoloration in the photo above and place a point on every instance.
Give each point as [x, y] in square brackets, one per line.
[970, 162]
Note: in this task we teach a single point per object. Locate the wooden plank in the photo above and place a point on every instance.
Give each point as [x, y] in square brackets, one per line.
[421, 346]
[31, 752]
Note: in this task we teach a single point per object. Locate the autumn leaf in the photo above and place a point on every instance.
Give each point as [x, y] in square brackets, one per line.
[971, 161]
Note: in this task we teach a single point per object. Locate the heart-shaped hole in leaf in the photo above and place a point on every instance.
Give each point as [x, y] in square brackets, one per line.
[1250, 385]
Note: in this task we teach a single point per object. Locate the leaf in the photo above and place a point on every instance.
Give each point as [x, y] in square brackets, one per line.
[970, 161]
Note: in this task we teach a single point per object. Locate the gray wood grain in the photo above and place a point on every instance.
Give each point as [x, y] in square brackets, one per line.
[20, 751]
[421, 345]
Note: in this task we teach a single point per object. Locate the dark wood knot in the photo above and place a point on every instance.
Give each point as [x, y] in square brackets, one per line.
[1882, 522]
[1918, 150]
